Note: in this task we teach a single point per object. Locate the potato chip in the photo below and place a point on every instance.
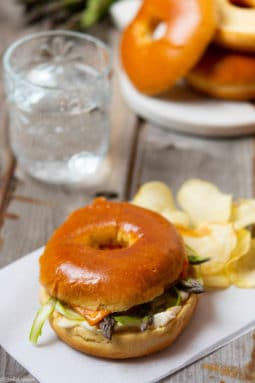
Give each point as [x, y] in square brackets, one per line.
[242, 271]
[217, 244]
[204, 202]
[243, 244]
[177, 217]
[219, 281]
[243, 213]
[202, 231]
[155, 196]
[212, 225]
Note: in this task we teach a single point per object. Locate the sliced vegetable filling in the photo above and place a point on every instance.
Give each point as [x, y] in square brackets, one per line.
[42, 315]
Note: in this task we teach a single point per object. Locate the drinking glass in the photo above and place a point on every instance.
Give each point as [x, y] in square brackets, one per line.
[58, 91]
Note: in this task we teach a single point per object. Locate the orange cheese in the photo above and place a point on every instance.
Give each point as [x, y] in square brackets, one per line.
[91, 316]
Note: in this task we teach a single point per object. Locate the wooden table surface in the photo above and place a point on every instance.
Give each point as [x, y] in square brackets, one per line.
[30, 211]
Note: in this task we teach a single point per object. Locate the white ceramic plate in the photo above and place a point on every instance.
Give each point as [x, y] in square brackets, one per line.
[187, 111]
[123, 12]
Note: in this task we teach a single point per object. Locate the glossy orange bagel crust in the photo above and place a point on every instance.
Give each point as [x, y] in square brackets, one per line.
[236, 26]
[225, 74]
[111, 255]
[154, 65]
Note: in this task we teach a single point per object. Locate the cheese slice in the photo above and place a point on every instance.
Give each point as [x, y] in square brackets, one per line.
[91, 316]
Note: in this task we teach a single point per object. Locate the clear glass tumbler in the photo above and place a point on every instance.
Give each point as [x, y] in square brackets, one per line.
[58, 90]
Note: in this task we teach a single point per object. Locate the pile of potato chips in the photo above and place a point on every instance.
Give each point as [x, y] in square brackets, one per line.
[212, 224]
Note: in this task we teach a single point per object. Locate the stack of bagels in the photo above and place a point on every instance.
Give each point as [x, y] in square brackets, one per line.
[210, 43]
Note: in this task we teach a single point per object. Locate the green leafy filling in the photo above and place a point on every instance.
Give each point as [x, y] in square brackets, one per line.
[141, 316]
[193, 257]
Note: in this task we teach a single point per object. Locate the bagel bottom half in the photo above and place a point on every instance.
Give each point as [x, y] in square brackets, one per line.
[224, 74]
[128, 344]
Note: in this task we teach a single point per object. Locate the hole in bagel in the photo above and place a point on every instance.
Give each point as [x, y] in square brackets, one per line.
[111, 245]
[159, 30]
[112, 240]
[151, 30]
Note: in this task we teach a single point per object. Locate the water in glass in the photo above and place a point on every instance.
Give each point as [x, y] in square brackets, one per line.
[59, 118]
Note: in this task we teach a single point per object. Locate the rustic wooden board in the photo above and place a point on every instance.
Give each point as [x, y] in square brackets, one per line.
[173, 158]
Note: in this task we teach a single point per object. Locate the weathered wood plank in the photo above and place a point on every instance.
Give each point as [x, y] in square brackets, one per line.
[174, 158]
[10, 26]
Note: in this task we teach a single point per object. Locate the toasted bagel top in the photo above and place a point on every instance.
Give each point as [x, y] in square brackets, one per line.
[111, 255]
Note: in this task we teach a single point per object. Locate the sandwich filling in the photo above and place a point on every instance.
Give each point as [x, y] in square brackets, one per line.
[154, 314]
[150, 315]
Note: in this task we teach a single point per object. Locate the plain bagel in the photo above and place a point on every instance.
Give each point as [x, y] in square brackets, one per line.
[154, 64]
[236, 26]
[224, 74]
[91, 259]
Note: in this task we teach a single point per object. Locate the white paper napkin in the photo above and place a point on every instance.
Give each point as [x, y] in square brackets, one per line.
[220, 317]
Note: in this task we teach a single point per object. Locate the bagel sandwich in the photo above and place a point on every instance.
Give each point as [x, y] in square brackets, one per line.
[117, 281]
